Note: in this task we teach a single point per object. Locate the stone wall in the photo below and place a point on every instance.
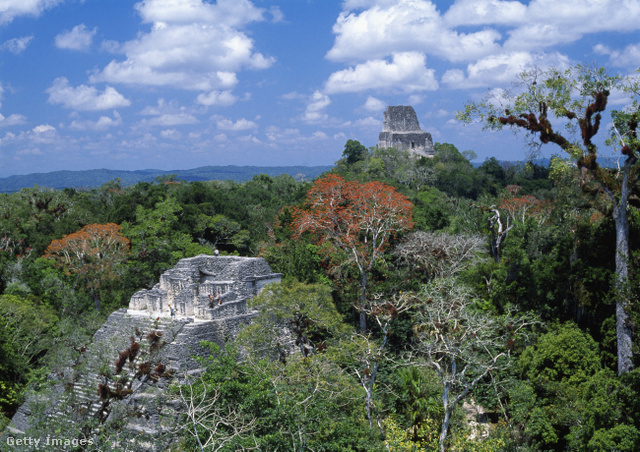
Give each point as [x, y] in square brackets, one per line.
[187, 286]
[400, 119]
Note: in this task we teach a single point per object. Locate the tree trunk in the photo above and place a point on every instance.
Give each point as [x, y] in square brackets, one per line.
[623, 331]
[447, 417]
[363, 302]
[94, 295]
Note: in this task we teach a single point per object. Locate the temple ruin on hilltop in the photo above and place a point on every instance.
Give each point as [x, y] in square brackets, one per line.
[401, 130]
[120, 380]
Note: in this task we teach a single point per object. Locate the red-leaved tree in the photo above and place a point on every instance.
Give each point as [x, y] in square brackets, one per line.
[92, 254]
[356, 218]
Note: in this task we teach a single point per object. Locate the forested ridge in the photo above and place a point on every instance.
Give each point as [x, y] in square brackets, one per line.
[95, 178]
[417, 291]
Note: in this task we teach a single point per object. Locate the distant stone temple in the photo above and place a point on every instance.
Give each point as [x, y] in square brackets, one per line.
[401, 130]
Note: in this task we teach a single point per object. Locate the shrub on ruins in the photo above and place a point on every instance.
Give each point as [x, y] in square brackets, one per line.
[292, 317]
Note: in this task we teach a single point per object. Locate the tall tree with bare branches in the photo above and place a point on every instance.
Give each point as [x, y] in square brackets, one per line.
[462, 344]
[565, 108]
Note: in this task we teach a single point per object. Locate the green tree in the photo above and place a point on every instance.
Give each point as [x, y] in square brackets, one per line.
[431, 209]
[354, 151]
[575, 100]
[556, 370]
[306, 404]
[93, 254]
[611, 418]
[26, 334]
[293, 315]
[157, 242]
[453, 173]
[495, 173]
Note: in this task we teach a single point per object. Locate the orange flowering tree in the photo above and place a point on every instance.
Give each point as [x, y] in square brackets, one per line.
[356, 218]
[523, 207]
[91, 254]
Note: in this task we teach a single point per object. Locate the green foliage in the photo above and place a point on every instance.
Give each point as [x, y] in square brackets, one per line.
[305, 311]
[307, 403]
[557, 369]
[431, 210]
[564, 355]
[562, 395]
[297, 259]
[399, 440]
[454, 173]
[623, 438]
[26, 328]
[611, 417]
[157, 241]
[419, 397]
[354, 151]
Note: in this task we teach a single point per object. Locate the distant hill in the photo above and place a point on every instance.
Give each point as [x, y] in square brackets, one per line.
[95, 178]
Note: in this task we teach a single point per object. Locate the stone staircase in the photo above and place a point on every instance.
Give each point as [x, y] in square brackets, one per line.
[112, 338]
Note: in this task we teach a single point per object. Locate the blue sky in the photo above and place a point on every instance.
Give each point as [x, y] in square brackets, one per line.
[176, 84]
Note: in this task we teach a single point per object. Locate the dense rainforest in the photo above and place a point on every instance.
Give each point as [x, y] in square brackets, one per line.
[434, 305]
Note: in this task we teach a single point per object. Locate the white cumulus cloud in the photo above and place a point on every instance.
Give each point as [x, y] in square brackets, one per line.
[43, 128]
[501, 69]
[220, 98]
[10, 9]
[492, 37]
[16, 45]
[11, 120]
[538, 24]
[628, 57]
[78, 38]
[85, 97]
[373, 104]
[103, 123]
[192, 44]
[240, 124]
[176, 119]
[406, 72]
[405, 26]
[485, 12]
[314, 112]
